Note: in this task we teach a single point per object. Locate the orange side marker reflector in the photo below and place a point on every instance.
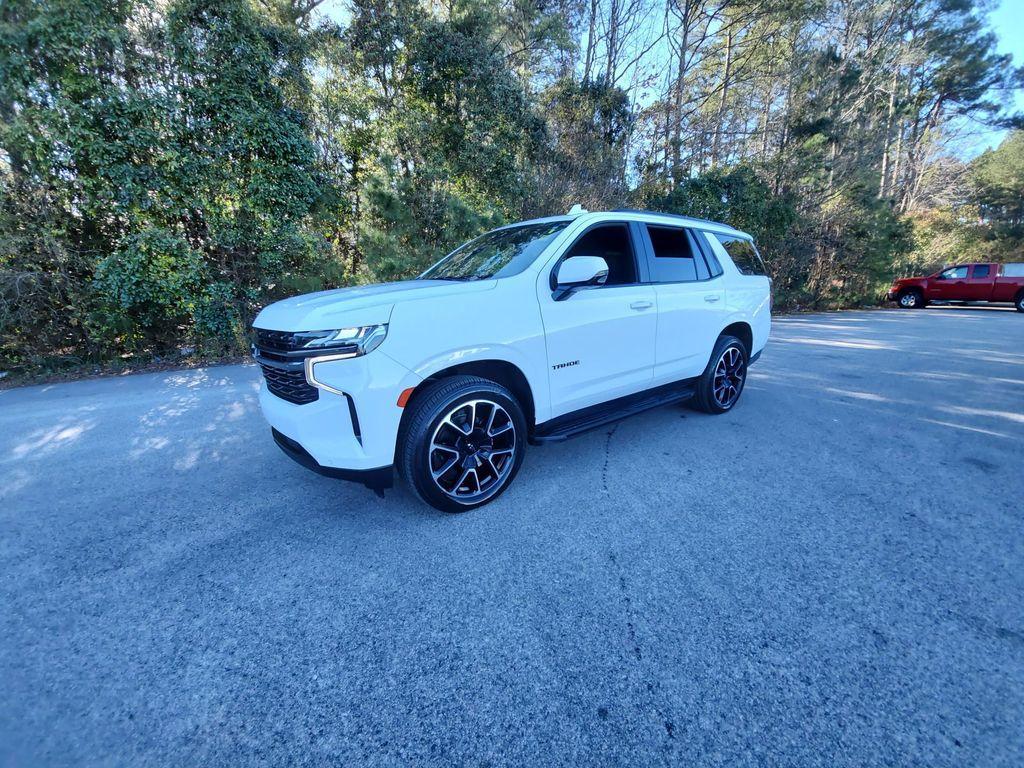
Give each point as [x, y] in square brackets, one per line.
[404, 397]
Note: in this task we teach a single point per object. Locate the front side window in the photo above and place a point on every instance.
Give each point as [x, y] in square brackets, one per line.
[612, 243]
[981, 270]
[676, 259]
[500, 253]
[953, 273]
[743, 254]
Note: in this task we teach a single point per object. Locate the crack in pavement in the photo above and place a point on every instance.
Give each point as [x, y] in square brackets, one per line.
[651, 685]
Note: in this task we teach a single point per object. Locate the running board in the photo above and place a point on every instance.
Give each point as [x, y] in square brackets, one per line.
[586, 419]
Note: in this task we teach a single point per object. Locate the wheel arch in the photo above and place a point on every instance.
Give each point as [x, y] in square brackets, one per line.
[743, 331]
[500, 371]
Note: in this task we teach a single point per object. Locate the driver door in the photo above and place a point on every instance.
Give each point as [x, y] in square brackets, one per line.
[949, 284]
[600, 340]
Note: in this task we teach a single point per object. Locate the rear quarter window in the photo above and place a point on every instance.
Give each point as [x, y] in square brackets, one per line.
[1013, 270]
[743, 254]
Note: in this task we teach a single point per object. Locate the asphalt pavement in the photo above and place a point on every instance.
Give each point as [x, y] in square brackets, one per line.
[830, 574]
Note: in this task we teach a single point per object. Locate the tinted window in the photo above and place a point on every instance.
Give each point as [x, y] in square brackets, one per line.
[980, 270]
[499, 253]
[674, 258]
[953, 273]
[743, 254]
[611, 242]
[709, 253]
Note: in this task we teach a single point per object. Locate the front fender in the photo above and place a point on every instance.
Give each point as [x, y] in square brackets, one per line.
[532, 368]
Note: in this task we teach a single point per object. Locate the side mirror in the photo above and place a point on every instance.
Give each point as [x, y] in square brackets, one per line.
[579, 272]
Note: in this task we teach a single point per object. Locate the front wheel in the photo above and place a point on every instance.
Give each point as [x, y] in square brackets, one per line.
[911, 300]
[721, 384]
[463, 442]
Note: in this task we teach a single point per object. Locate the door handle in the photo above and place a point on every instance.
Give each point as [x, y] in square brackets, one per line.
[711, 297]
[641, 305]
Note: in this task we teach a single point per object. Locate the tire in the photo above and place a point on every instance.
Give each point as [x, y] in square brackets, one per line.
[911, 300]
[1019, 302]
[718, 372]
[433, 437]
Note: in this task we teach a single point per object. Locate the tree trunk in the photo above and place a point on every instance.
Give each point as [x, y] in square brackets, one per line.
[716, 144]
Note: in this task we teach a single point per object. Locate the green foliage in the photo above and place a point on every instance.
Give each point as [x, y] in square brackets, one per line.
[588, 124]
[986, 225]
[844, 258]
[154, 278]
[998, 186]
[167, 168]
[859, 239]
[408, 223]
[169, 149]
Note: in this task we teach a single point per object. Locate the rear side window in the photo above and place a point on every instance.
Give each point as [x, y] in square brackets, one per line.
[676, 259]
[980, 270]
[1013, 270]
[743, 254]
[709, 253]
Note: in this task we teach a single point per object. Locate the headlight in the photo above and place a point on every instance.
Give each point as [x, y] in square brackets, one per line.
[340, 345]
[348, 342]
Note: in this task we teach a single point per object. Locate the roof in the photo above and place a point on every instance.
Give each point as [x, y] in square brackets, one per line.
[667, 218]
[691, 221]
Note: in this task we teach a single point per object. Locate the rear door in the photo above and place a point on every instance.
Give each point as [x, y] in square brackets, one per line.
[978, 286]
[691, 302]
[600, 340]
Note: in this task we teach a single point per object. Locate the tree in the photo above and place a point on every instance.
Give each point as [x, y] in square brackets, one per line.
[997, 178]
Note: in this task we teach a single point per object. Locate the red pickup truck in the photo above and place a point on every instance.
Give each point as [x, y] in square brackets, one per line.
[999, 283]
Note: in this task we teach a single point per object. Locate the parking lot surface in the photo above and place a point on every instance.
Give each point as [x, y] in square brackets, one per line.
[830, 574]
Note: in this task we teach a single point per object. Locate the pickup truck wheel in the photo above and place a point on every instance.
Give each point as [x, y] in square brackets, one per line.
[463, 442]
[1019, 302]
[910, 300]
[721, 384]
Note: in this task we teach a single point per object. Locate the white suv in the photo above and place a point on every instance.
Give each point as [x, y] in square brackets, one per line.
[530, 333]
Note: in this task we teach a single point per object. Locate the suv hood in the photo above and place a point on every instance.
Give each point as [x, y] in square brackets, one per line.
[356, 306]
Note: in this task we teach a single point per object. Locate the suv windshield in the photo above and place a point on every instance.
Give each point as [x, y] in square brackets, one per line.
[499, 253]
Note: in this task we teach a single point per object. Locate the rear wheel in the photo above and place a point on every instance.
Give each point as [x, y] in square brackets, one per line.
[910, 300]
[463, 443]
[721, 384]
[1019, 302]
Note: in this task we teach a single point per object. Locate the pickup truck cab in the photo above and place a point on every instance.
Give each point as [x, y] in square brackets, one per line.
[993, 283]
[530, 333]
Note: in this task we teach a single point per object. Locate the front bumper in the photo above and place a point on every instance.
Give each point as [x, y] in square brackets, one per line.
[376, 479]
[890, 296]
[353, 423]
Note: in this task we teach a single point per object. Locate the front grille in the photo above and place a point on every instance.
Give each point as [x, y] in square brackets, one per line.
[289, 383]
[281, 355]
[279, 341]
[289, 345]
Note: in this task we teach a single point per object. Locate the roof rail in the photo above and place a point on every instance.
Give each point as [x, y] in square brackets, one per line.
[674, 216]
